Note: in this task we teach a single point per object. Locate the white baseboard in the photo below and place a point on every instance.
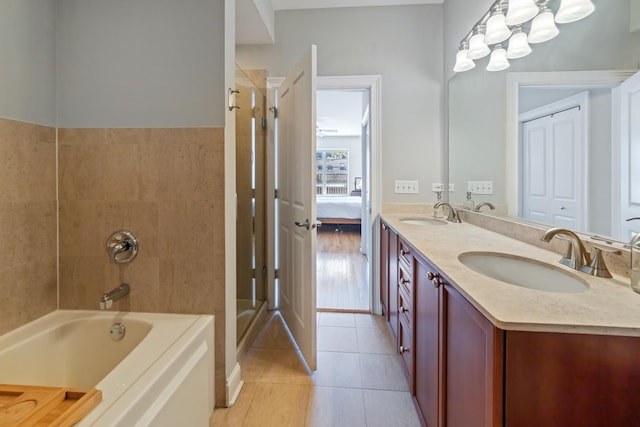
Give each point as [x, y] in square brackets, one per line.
[234, 385]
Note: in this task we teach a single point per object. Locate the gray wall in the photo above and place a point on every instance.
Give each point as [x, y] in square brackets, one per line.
[404, 46]
[27, 68]
[148, 63]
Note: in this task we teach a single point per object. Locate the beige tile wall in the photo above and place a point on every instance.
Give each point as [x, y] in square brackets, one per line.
[167, 187]
[28, 229]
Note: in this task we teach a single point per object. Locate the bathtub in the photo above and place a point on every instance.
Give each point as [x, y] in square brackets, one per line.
[160, 373]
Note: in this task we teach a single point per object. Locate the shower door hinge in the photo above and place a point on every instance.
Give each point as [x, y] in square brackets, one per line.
[264, 123]
[274, 110]
[276, 274]
[253, 273]
[253, 193]
[275, 193]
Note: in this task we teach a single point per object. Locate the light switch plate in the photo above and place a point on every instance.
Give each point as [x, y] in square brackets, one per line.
[406, 187]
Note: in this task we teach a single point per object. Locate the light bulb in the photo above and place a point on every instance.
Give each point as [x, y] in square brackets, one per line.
[477, 47]
[463, 63]
[518, 45]
[543, 27]
[521, 11]
[573, 10]
[497, 30]
[498, 61]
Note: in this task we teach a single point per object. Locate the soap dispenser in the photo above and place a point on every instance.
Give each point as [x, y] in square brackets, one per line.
[469, 204]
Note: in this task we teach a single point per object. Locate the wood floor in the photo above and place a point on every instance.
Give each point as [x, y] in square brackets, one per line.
[342, 278]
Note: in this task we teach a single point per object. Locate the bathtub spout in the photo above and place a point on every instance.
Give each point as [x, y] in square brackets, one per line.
[114, 295]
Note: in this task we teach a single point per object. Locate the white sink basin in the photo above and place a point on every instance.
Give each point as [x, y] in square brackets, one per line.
[524, 272]
[422, 221]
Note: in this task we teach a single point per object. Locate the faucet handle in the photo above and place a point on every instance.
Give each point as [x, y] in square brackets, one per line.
[598, 267]
[567, 257]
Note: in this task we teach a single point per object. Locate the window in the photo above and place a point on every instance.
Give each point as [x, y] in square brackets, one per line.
[332, 172]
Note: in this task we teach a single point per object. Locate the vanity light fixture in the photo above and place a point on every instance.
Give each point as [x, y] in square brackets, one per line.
[543, 27]
[521, 11]
[574, 10]
[477, 47]
[498, 61]
[463, 62]
[518, 45]
[534, 17]
[497, 30]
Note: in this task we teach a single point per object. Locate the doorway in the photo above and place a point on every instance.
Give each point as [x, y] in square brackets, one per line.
[342, 145]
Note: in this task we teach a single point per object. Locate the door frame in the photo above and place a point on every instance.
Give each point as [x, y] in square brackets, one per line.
[557, 79]
[581, 101]
[374, 84]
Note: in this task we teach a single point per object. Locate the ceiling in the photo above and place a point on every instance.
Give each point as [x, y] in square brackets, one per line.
[321, 4]
[255, 19]
[339, 113]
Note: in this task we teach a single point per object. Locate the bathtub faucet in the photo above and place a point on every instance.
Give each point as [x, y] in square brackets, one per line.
[114, 295]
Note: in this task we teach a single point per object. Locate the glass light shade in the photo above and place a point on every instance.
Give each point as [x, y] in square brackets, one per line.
[463, 63]
[543, 28]
[574, 10]
[518, 45]
[521, 11]
[497, 30]
[477, 47]
[498, 61]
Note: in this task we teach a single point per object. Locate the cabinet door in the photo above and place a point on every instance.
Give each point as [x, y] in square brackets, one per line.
[555, 379]
[473, 364]
[427, 313]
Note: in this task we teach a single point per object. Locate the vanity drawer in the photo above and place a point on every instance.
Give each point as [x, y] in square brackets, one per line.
[405, 348]
[404, 254]
[405, 280]
[405, 308]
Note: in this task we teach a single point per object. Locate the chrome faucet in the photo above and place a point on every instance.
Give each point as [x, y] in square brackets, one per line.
[114, 295]
[481, 204]
[453, 213]
[578, 256]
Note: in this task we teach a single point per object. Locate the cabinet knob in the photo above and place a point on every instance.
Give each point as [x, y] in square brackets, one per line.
[404, 281]
[403, 252]
[385, 227]
[403, 309]
[403, 349]
[435, 278]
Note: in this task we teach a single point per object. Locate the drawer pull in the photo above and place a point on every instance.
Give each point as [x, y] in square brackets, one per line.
[404, 281]
[403, 349]
[435, 278]
[403, 252]
[403, 309]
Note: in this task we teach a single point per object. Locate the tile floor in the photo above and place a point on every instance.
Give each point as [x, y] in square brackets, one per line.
[359, 381]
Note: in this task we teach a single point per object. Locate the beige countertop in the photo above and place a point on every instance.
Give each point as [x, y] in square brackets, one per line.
[609, 306]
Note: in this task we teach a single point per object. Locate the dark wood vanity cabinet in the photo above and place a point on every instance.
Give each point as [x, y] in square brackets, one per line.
[465, 372]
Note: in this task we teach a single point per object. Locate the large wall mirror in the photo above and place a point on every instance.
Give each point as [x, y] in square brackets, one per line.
[566, 80]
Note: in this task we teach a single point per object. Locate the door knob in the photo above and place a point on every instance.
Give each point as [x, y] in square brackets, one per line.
[306, 224]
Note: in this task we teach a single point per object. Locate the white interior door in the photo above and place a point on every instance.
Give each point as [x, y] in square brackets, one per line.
[629, 158]
[553, 184]
[297, 203]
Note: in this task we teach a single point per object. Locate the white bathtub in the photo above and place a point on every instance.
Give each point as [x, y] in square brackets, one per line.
[160, 374]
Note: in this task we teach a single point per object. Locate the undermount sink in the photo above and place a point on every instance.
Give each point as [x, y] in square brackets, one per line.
[422, 221]
[523, 272]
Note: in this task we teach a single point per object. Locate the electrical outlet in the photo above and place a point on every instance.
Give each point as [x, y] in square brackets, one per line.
[406, 187]
[480, 187]
[437, 187]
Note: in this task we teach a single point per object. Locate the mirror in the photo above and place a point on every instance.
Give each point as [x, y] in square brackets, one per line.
[483, 129]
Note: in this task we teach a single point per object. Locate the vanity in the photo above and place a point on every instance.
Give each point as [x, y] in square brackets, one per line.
[484, 352]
